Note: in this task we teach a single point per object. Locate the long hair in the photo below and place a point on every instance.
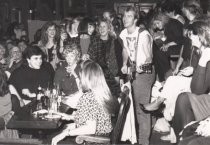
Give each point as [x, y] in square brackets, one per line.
[83, 25]
[4, 89]
[70, 22]
[92, 79]
[202, 29]
[44, 36]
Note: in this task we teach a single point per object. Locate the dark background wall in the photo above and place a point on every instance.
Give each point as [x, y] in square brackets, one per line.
[23, 10]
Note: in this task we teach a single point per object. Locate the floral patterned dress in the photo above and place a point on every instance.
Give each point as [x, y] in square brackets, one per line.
[88, 108]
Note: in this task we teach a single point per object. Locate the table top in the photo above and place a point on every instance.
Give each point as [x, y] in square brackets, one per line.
[25, 120]
[30, 122]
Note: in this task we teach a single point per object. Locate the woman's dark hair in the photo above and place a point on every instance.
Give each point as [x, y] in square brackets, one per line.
[4, 89]
[70, 22]
[32, 50]
[83, 26]
[44, 37]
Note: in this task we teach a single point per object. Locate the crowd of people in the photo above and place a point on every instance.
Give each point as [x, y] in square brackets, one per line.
[90, 59]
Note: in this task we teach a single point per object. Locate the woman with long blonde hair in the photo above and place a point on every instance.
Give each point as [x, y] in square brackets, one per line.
[92, 79]
[94, 108]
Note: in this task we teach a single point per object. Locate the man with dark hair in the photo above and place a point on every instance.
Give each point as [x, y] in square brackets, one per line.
[26, 79]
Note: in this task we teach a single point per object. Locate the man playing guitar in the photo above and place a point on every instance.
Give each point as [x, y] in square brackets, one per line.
[137, 49]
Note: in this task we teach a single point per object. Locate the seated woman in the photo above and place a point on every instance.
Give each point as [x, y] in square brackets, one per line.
[25, 80]
[196, 105]
[173, 41]
[67, 76]
[95, 107]
[5, 108]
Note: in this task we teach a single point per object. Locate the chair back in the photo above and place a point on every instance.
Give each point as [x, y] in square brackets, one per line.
[123, 110]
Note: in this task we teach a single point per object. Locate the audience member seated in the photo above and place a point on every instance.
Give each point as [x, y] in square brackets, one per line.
[172, 43]
[67, 76]
[25, 80]
[94, 108]
[195, 105]
[5, 108]
[196, 133]
[14, 59]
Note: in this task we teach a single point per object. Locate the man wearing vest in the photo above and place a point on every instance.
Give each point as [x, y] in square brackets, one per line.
[137, 50]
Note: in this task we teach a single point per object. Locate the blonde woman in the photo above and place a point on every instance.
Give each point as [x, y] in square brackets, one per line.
[67, 75]
[94, 108]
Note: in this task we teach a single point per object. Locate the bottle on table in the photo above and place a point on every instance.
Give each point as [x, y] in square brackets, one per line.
[39, 95]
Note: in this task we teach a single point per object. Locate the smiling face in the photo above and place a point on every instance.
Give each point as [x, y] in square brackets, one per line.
[103, 29]
[35, 61]
[51, 31]
[91, 29]
[129, 19]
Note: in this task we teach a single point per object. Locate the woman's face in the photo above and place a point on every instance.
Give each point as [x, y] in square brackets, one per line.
[103, 29]
[51, 32]
[91, 29]
[71, 58]
[35, 61]
[195, 40]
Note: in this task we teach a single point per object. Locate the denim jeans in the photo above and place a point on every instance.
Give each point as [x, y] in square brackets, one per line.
[142, 86]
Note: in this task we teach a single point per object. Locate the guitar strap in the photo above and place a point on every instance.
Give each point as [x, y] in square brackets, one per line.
[141, 29]
[133, 63]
